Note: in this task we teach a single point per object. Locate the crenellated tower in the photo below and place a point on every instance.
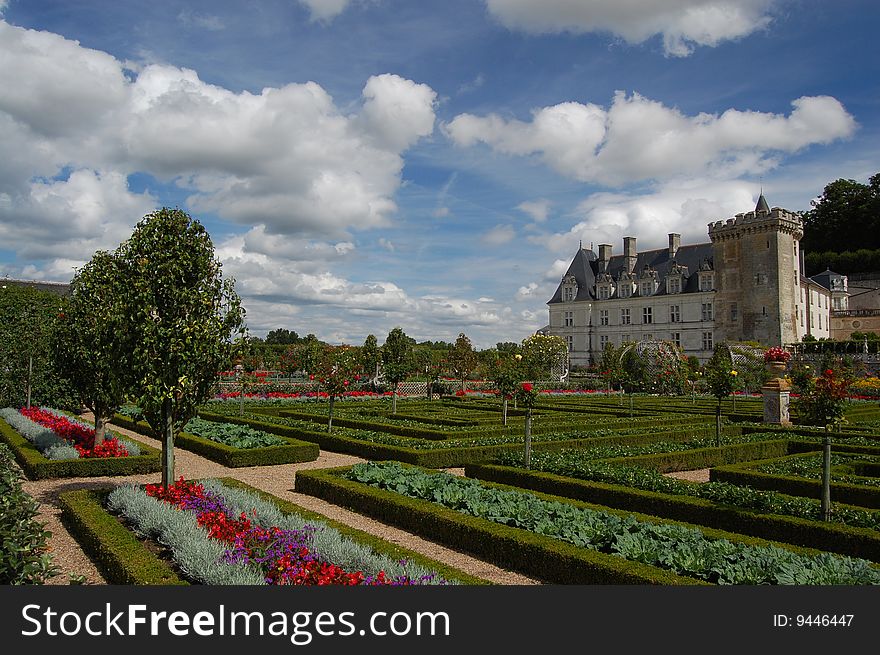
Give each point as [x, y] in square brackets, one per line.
[757, 275]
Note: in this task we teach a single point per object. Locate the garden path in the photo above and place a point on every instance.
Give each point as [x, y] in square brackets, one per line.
[277, 480]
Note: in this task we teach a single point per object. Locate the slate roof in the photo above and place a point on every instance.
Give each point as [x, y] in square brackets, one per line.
[585, 267]
[825, 277]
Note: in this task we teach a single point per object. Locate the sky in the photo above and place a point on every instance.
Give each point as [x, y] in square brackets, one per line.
[432, 165]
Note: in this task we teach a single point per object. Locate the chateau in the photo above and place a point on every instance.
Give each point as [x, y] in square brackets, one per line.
[746, 284]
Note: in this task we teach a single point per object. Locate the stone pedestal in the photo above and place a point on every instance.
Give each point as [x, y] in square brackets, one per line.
[776, 400]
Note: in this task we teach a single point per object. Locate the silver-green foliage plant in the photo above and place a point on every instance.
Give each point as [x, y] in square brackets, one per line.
[686, 551]
[327, 542]
[230, 434]
[198, 557]
[45, 440]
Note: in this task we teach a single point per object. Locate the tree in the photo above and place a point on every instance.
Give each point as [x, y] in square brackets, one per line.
[721, 377]
[180, 317]
[28, 366]
[396, 361]
[370, 357]
[86, 342]
[336, 372]
[846, 213]
[462, 359]
[506, 373]
[282, 337]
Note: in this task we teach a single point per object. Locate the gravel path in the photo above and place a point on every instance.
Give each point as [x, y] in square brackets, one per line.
[699, 475]
[277, 480]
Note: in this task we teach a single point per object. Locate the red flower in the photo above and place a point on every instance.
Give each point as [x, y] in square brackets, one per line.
[526, 386]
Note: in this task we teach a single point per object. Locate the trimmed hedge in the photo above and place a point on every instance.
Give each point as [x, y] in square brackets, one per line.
[545, 558]
[124, 559]
[744, 474]
[441, 457]
[115, 549]
[295, 451]
[38, 467]
[700, 458]
[831, 537]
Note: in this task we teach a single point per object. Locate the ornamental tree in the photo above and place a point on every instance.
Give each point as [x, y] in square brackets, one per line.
[506, 372]
[462, 359]
[370, 357]
[721, 377]
[179, 318]
[86, 342]
[336, 372]
[396, 361]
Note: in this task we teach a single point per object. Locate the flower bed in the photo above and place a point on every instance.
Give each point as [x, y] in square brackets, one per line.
[682, 549]
[81, 436]
[218, 534]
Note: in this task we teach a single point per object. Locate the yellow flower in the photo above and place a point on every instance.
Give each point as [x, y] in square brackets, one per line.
[733, 373]
[517, 357]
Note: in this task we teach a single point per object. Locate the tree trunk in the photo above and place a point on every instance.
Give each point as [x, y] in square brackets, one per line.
[394, 400]
[167, 444]
[30, 375]
[826, 477]
[100, 426]
[430, 390]
[504, 412]
[718, 424]
[330, 422]
[528, 457]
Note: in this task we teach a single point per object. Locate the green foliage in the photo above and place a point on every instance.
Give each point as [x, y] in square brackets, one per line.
[462, 359]
[282, 336]
[824, 400]
[397, 362]
[848, 212]
[179, 316]
[23, 540]
[684, 550]
[28, 320]
[370, 356]
[85, 341]
[720, 373]
[236, 436]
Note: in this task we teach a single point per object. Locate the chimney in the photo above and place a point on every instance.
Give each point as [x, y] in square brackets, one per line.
[604, 256]
[674, 244]
[629, 253]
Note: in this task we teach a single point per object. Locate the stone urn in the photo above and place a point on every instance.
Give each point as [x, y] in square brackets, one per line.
[776, 369]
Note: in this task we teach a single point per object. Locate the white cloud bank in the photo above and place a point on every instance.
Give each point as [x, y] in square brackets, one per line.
[641, 139]
[325, 10]
[682, 24]
[287, 158]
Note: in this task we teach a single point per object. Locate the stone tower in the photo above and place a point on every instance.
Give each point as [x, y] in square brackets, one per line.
[757, 275]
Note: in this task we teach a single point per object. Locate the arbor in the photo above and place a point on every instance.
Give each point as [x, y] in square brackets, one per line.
[542, 353]
[86, 343]
[396, 361]
[180, 316]
[462, 359]
[846, 213]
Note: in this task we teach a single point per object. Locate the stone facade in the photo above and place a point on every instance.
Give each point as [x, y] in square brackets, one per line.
[745, 285]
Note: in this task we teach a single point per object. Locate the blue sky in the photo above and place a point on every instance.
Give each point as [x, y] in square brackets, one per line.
[366, 164]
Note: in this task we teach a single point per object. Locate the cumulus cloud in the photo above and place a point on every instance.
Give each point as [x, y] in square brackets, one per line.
[537, 209]
[682, 24]
[684, 208]
[527, 292]
[325, 10]
[287, 159]
[640, 139]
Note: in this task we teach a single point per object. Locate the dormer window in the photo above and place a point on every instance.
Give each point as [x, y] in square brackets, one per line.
[626, 285]
[604, 286]
[569, 288]
[707, 281]
[648, 282]
[675, 278]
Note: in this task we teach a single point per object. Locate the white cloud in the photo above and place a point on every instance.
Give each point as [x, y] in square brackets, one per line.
[386, 244]
[440, 212]
[557, 269]
[641, 139]
[683, 24]
[684, 208]
[325, 10]
[287, 158]
[527, 292]
[499, 235]
[537, 209]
